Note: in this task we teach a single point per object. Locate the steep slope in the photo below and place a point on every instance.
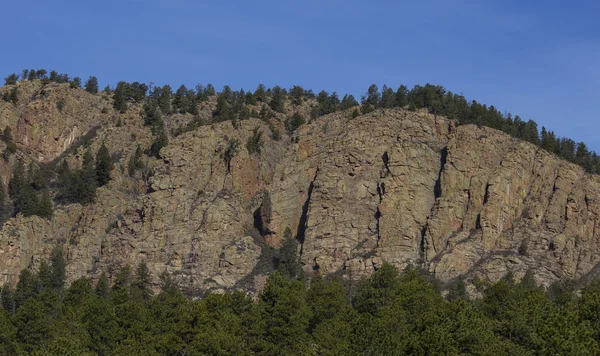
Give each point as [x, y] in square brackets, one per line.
[393, 185]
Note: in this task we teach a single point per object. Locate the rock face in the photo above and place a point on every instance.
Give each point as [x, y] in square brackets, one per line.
[393, 185]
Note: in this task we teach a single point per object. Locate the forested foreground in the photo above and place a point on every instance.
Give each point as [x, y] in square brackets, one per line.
[390, 313]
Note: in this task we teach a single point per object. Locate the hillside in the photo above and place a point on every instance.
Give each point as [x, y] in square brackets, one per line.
[355, 187]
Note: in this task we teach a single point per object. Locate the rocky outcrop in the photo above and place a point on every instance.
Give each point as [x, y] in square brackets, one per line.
[397, 186]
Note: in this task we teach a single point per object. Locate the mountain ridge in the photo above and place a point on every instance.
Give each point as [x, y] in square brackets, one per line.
[407, 187]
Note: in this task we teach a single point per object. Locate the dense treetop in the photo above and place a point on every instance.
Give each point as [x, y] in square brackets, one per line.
[390, 313]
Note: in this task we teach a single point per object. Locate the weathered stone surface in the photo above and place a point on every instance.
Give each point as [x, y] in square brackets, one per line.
[394, 185]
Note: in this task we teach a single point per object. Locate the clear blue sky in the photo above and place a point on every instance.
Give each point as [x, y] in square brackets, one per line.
[540, 60]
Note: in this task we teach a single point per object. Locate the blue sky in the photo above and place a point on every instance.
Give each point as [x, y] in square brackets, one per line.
[540, 60]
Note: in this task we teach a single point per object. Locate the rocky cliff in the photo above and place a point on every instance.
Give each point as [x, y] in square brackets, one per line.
[393, 185]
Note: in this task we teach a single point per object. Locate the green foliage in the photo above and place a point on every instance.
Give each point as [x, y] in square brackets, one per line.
[78, 186]
[102, 287]
[11, 146]
[294, 122]
[12, 96]
[255, 142]
[91, 85]
[141, 288]
[104, 165]
[44, 206]
[119, 99]
[232, 148]
[75, 83]
[11, 79]
[278, 96]
[392, 313]
[348, 102]
[135, 162]
[288, 263]
[60, 105]
[275, 133]
[161, 140]
[24, 191]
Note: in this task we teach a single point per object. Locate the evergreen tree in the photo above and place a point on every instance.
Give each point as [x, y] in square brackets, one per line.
[44, 206]
[13, 96]
[277, 102]
[222, 111]
[348, 102]
[401, 96]
[294, 122]
[210, 90]
[255, 142]
[287, 316]
[297, 94]
[102, 286]
[58, 268]
[160, 141]
[91, 85]
[11, 79]
[120, 290]
[142, 282]
[288, 263]
[260, 93]
[135, 162]
[82, 184]
[11, 147]
[104, 166]
[388, 97]
[41, 73]
[120, 97]
[179, 99]
[75, 83]
[373, 97]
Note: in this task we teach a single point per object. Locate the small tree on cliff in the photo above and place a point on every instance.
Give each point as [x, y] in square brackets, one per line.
[288, 263]
[44, 206]
[104, 166]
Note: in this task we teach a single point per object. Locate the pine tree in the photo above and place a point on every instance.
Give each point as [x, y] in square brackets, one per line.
[120, 290]
[120, 97]
[91, 85]
[58, 268]
[289, 263]
[388, 97]
[255, 142]
[11, 79]
[102, 286]
[84, 182]
[401, 96]
[44, 206]
[135, 162]
[17, 182]
[14, 96]
[294, 122]
[104, 166]
[160, 141]
[297, 94]
[348, 102]
[142, 282]
[260, 93]
[278, 99]
[75, 83]
[372, 98]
